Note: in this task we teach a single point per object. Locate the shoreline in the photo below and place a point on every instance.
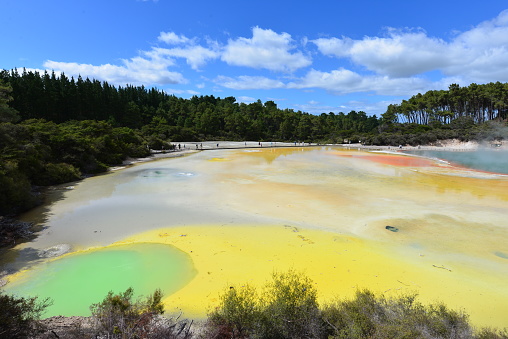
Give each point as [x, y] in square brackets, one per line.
[190, 147]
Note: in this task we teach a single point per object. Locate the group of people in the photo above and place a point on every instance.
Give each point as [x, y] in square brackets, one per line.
[197, 146]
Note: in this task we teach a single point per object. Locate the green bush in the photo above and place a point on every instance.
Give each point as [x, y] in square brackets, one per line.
[371, 316]
[15, 192]
[238, 314]
[18, 316]
[58, 174]
[120, 316]
[290, 307]
[287, 308]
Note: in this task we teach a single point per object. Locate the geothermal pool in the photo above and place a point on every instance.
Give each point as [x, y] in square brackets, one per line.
[490, 160]
[231, 217]
[76, 281]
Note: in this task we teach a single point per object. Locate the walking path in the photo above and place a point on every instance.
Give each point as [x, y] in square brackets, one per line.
[184, 148]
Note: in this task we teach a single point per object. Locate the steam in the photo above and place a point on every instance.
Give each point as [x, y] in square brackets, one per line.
[490, 155]
[494, 131]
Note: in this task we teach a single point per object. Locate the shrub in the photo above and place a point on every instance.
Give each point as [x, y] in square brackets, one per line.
[58, 174]
[290, 307]
[19, 316]
[287, 308]
[118, 315]
[238, 314]
[15, 192]
[488, 333]
[370, 316]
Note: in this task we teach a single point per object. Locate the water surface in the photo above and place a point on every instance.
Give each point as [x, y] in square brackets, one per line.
[490, 160]
[76, 281]
[450, 245]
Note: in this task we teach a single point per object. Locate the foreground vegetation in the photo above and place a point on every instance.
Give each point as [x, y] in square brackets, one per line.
[19, 316]
[116, 316]
[286, 308]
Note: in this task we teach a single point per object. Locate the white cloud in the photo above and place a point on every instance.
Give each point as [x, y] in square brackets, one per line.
[172, 38]
[370, 108]
[399, 63]
[196, 56]
[249, 82]
[276, 99]
[341, 78]
[266, 49]
[479, 54]
[343, 81]
[181, 91]
[378, 107]
[315, 107]
[151, 67]
[134, 71]
[399, 55]
[340, 82]
[245, 99]
[334, 46]
[488, 34]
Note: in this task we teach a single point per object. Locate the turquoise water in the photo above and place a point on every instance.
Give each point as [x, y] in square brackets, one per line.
[495, 161]
[76, 281]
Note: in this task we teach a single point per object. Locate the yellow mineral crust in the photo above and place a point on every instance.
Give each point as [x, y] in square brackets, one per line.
[339, 265]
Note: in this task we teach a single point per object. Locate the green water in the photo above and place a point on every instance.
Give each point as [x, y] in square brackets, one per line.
[76, 281]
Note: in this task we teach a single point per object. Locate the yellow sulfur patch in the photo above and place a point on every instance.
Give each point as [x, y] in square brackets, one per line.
[339, 265]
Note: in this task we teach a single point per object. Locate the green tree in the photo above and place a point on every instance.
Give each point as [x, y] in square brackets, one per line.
[7, 113]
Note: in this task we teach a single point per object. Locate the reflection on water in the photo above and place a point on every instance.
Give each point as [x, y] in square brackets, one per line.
[443, 216]
[76, 281]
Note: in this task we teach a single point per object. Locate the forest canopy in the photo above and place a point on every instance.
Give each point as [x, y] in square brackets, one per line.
[60, 99]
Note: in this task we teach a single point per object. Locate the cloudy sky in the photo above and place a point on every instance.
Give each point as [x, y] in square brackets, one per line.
[314, 56]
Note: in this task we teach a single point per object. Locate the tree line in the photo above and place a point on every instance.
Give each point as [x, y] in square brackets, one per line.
[60, 99]
[480, 103]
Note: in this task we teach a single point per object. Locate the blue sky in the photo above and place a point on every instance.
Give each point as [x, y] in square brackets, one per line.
[314, 56]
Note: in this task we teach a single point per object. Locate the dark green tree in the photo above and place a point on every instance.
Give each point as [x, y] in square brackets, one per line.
[7, 113]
